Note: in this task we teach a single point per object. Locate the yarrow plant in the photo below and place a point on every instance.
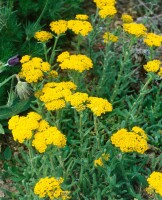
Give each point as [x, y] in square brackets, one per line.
[93, 128]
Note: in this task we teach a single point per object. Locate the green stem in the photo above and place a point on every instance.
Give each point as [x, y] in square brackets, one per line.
[45, 51]
[96, 131]
[123, 64]
[124, 173]
[8, 79]
[53, 50]
[140, 97]
[42, 13]
[30, 156]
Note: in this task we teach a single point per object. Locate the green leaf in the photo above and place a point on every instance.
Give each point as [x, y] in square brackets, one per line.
[7, 153]
[1, 129]
[18, 107]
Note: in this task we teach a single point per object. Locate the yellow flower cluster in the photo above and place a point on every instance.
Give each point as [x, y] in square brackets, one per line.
[109, 37]
[152, 66]
[51, 187]
[23, 127]
[155, 182]
[43, 36]
[33, 69]
[152, 39]
[81, 17]
[100, 160]
[101, 3]
[74, 62]
[134, 141]
[99, 106]
[34, 127]
[135, 29]
[78, 100]
[54, 94]
[107, 11]
[127, 18]
[107, 8]
[48, 136]
[80, 27]
[59, 27]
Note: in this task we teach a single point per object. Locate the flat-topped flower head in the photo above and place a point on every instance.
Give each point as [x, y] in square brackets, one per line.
[48, 136]
[153, 40]
[33, 69]
[81, 17]
[78, 62]
[80, 27]
[99, 106]
[22, 127]
[78, 100]
[43, 36]
[155, 182]
[127, 18]
[107, 11]
[130, 141]
[135, 29]
[109, 37]
[101, 3]
[59, 27]
[51, 187]
[54, 94]
[152, 66]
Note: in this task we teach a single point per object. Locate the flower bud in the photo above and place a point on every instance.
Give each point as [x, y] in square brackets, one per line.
[23, 90]
[14, 60]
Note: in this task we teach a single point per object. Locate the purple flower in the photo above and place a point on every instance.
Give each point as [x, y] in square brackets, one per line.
[13, 60]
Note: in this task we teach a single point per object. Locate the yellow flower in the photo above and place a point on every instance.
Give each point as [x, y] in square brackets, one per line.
[152, 66]
[59, 93]
[99, 161]
[74, 62]
[127, 18]
[152, 39]
[81, 17]
[101, 3]
[51, 187]
[129, 141]
[22, 127]
[80, 27]
[99, 106]
[43, 36]
[109, 37]
[25, 58]
[107, 11]
[155, 182]
[59, 27]
[33, 70]
[135, 29]
[49, 136]
[78, 100]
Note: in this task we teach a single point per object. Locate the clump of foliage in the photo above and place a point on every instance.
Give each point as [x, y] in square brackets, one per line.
[93, 130]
